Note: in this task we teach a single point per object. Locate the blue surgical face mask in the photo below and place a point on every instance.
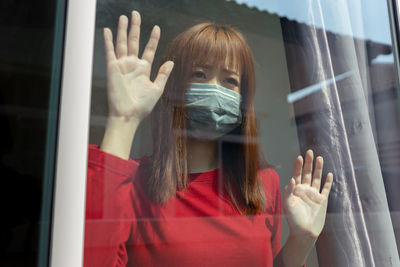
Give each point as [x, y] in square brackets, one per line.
[211, 110]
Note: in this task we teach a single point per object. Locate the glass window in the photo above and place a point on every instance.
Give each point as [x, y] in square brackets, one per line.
[191, 162]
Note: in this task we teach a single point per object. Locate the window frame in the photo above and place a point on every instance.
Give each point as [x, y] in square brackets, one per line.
[66, 247]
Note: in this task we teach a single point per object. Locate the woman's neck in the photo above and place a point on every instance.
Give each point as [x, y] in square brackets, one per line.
[201, 155]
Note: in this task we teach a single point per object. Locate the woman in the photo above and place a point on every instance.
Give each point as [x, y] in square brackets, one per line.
[205, 196]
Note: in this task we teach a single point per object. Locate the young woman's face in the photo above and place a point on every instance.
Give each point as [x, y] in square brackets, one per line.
[223, 76]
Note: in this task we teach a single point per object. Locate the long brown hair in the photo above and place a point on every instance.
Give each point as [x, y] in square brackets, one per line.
[211, 44]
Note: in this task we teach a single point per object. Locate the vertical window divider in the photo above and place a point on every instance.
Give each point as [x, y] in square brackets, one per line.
[71, 165]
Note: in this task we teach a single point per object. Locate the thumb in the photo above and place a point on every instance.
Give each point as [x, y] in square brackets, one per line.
[289, 187]
[163, 74]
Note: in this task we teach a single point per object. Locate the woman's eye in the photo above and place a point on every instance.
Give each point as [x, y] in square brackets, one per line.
[232, 81]
[199, 75]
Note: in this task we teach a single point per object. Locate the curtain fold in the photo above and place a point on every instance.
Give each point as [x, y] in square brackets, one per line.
[338, 121]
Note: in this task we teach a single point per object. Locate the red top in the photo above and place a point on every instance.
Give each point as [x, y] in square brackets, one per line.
[198, 227]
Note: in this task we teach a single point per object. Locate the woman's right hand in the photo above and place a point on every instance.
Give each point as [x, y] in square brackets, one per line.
[131, 93]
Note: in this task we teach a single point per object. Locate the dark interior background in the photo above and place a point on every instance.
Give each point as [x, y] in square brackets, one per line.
[27, 30]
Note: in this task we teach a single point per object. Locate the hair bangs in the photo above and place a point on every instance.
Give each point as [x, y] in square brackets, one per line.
[215, 45]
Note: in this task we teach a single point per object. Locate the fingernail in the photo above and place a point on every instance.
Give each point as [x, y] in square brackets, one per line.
[171, 66]
[122, 18]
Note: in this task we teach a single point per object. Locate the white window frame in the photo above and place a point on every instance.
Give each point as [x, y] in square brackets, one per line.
[66, 247]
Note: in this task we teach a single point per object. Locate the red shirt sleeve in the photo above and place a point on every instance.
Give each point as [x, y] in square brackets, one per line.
[276, 237]
[109, 211]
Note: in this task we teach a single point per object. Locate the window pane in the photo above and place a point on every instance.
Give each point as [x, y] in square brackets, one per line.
[324, 80]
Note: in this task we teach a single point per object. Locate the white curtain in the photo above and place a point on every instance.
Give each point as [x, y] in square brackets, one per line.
[341, 119]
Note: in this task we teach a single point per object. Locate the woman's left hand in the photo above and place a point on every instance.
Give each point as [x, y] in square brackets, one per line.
[303, 202]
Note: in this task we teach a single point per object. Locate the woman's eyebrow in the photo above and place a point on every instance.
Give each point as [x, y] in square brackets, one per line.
[209, 67]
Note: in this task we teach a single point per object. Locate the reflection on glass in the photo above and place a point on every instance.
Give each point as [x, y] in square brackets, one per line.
[202, 191]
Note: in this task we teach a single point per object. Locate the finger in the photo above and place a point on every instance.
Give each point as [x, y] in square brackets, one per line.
[163, 74]
[316, 181]
[151, 47]
[328, 185]
[289, 188]
[109, 46]
[307, 170]
[134, 34]
[297, 169]
[122, 48]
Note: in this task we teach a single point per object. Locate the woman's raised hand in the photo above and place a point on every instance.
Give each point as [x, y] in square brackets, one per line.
[131, 93]
[303, 202]
[305, 209]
